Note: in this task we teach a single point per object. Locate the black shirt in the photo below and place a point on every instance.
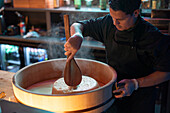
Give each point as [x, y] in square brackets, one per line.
[151, 46]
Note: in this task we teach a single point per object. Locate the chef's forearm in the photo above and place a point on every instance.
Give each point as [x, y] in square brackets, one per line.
[76, 28]
[153, 79]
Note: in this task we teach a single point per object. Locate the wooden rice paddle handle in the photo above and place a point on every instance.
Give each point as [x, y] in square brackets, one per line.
[72, 73]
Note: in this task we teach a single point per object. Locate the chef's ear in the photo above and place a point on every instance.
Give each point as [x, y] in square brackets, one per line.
[136, 12]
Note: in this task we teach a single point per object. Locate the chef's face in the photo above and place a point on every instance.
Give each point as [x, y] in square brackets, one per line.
[123, 21]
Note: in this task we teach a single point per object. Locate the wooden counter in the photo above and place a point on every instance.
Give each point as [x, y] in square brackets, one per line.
[6, 83]
[7, 106]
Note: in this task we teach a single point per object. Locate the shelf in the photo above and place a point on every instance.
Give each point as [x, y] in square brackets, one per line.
[61, 9]
[160, 13]
[13, 62]
[69, 9]
[160, 9]
[146, 11]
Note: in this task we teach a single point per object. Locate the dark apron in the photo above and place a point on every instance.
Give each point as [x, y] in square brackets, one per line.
[123, 57]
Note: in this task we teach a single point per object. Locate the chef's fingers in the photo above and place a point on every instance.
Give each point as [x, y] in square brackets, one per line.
[65, 49]
[120, 95]
[118, 90]
[65, 45]
[68, 49]
[67, 53]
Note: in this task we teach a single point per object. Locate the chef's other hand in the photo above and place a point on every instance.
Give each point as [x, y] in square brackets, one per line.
[126, 90]
[73, 45]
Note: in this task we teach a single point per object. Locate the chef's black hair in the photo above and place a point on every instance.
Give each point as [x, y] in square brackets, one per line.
[127, 6]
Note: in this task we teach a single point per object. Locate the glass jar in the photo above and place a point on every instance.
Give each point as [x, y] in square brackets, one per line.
[77, 4]
[103, 4]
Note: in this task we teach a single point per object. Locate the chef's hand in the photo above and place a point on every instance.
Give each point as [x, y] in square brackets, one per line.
[126, 90]
[73, 45]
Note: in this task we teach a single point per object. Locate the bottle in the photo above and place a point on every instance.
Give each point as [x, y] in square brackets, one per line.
[21, 24]
[22, 27]
[103, 4]
[88, 3]
[67, 2]
[158, 5]
[77, 4]
[154, 3]
[61, 3]
[56, 3]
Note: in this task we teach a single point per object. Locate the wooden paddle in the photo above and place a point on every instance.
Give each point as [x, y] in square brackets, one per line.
[72, 73]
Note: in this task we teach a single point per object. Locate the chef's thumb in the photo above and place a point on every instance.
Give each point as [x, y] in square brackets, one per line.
[122, 81]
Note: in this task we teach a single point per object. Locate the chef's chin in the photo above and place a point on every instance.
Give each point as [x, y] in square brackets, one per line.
[120, 28]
